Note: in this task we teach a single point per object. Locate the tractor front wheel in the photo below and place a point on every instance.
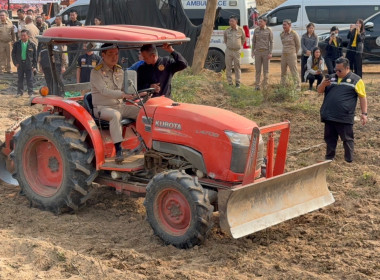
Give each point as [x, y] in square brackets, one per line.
[53, 163]
[178, 209]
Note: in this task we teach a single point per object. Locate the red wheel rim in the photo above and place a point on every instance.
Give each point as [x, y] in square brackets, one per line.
[174, 211]
[42, 166]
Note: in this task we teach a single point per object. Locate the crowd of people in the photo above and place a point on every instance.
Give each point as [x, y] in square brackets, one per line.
[21, 46]
[342, 86]
[313, 64]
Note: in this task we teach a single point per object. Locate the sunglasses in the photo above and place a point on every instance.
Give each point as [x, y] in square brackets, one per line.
[337, 70]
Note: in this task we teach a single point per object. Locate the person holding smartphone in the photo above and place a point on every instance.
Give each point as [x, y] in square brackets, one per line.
[333, 49]
[356, 46]
[157, 72]
[341, 93]
[315, 66]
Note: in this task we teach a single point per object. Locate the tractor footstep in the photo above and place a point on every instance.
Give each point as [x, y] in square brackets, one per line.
[131, 162]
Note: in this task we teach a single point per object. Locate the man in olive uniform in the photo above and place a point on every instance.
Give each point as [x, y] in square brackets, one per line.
[7, 37]
[290, 47]
[41, 25]
[33, 30]
[107, 90]
[58, 22]
[21, 21]
[234, 38]
[262, 45]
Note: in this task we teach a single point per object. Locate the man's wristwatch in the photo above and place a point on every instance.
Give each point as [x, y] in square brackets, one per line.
[365, 114]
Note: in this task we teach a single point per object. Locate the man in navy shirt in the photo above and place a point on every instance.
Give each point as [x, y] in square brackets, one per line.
[86, 63]
[157, 72]
[72, 47]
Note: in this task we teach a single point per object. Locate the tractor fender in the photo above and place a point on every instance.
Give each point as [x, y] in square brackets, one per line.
[81, 115]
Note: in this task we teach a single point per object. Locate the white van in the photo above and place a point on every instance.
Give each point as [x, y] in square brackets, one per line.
[245, 12]
[323, 13]
[80, 6]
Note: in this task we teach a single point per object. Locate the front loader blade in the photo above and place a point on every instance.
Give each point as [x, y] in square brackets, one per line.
[5, 175]
[253, 207]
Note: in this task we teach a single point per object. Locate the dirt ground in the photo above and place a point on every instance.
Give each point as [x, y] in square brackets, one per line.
[110, 238]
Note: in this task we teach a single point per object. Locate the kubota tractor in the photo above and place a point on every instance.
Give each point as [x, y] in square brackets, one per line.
[187, 160]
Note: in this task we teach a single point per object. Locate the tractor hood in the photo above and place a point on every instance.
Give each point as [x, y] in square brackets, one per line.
[219, 137]
[183, 116]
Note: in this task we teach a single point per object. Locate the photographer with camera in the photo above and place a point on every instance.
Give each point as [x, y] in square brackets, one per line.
[333, 49]
[341, 92]
[356, 46]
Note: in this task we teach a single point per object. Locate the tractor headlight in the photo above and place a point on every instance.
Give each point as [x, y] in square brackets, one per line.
[238, 139]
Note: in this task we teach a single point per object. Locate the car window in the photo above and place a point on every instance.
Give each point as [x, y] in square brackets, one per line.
[376, 21]
[339, 14]
[82, 12]
[66, 14]
[285, 13]
[222, 17]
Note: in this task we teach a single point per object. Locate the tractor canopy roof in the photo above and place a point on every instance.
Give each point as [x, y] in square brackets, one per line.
[128, 35]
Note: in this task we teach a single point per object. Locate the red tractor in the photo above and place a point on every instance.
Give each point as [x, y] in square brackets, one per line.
[187, 160]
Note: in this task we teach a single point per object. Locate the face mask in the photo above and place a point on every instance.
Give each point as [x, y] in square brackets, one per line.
[336, 34]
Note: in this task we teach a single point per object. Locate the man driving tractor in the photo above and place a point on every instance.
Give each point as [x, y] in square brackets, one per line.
[106, 87]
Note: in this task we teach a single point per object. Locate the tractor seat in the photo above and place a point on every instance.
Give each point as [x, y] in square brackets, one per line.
[87, 104]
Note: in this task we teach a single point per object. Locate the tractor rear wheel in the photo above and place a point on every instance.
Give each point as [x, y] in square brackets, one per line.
[178, 209]
[53, 163]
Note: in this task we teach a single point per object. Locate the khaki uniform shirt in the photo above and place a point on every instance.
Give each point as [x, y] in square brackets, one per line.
[55, 25]
[33, 32]
[21, 26]
[106, 85]
[7, 33]
[234, 38]
[262, 39]
[290, 42]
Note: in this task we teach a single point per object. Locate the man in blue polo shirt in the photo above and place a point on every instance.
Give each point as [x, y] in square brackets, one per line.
[341, 91]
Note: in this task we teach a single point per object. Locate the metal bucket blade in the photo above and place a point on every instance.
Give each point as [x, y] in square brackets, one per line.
[5, 175]
[245, 210]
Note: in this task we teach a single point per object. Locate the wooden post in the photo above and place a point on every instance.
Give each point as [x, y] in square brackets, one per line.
[201, 48]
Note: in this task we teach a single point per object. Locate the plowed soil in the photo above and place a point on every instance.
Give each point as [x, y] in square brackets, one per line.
[110, 238]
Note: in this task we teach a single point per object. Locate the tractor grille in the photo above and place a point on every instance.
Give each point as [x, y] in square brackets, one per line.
[239, 157]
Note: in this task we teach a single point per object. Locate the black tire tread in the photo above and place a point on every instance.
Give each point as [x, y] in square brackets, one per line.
[80, 172]
[197, 233]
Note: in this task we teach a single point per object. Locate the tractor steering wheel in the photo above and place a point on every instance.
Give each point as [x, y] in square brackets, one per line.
[145, 98]
[136, 101]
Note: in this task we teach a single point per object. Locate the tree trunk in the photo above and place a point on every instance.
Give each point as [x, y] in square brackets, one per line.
[203, 42]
